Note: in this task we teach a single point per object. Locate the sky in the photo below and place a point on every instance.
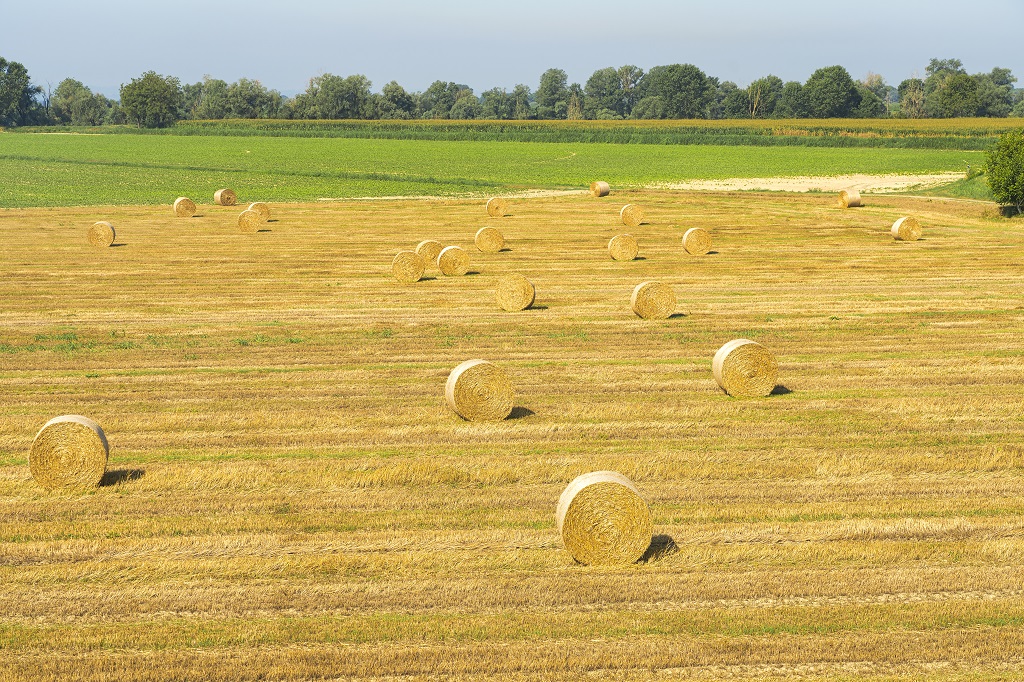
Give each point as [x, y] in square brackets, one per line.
[106, 43]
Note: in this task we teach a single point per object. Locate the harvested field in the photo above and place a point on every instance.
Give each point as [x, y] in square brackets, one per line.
[289, 498]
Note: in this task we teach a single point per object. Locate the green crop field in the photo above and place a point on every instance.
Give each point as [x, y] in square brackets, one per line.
[61, 170]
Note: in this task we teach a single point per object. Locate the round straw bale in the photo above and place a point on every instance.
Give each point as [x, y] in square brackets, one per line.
[479, 391]
[745, 369]
[653, 300]
[429, 249]
[697, 241]
[600, 188]
[249, 221]
[184, 207]
[623, 247]
[453, 261]
[906, 229]
[101, 234]
[849, 198]
[489, 240]
[631, 215]
[262, 209]
[407, 267]
[603, 520]
[515, 292]
[69, 452]
[497, 207]
[225, 197]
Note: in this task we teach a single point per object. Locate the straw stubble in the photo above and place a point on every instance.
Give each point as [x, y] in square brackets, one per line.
[603, 519]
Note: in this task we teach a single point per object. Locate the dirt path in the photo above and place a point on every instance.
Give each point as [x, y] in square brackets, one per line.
[864, 183]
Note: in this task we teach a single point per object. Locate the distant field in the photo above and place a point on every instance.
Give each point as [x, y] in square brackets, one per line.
[289, 499]
[59, 170]
[967, 133]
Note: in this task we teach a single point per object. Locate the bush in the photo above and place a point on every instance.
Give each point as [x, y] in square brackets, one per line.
[1005, 169]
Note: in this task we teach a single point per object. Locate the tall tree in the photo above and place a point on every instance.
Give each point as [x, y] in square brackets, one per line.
[438, 99]
[333, 97]
[18, 104]
[603, 94]
[521, 97]
[630, 78]
[684, 90]
[792, 102]
[395, 102]
[152, 101]
[831, 93]
[911, 98]
[552, 94]
[763, 96]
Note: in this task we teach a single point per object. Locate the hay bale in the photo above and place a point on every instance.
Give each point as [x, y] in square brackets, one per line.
[249, 221]
[478, 390]
[515, 292]
[453, 261]
[849, 198]
[101, 234]
[225, 197]
[745, 369]
[653, 300]
[603, 519]
[631, 215]
[260, 208]
[69, 452]
[697, 241]
[600, 188]
[407, 267]
[429, 250]
[906, 229]
[497, 207]
[184, 207]
[489, 240]
[623, 247]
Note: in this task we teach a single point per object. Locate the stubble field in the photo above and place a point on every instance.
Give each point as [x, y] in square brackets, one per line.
[288, 497]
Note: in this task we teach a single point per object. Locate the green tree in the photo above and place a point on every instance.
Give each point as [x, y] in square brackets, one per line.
[466, 105]
[152, 101]
[521, 97]
[576, 102]
[18, 104]
[955, 96]
[73, 103]
[552, 96]
[830, 93]
[684, 90]
[733, 101]
[250, 99]
[1005, 169]
[996, 95]
[792, 102]
[603, 92]
[869, 105]
[438, 99]
[911, 98]
[649, 108]
[630, 78]
[333, 97]
[763, 96]
[395, 102]
[207, 99]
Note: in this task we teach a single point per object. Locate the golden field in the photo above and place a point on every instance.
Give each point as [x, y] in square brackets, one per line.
[288, 497]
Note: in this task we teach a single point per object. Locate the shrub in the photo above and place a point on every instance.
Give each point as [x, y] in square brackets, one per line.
[1005, 169]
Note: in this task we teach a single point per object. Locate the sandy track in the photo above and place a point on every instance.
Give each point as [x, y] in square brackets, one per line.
[864, 183]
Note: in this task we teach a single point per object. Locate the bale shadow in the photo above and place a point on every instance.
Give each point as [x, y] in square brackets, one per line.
[504, 250]
[118, 244]
[780, 390]
[428, 279]
[537, 307]
[676, 316]
[520, 413]
[661, 546]
[639, 258]
[116, 476]
[264, 230]
[711, 253]
[272, 220]
[471, 273]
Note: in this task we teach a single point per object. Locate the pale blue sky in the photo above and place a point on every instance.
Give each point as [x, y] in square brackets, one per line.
[487, 44]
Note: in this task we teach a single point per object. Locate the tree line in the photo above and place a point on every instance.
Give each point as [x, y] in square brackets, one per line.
[676, 91]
